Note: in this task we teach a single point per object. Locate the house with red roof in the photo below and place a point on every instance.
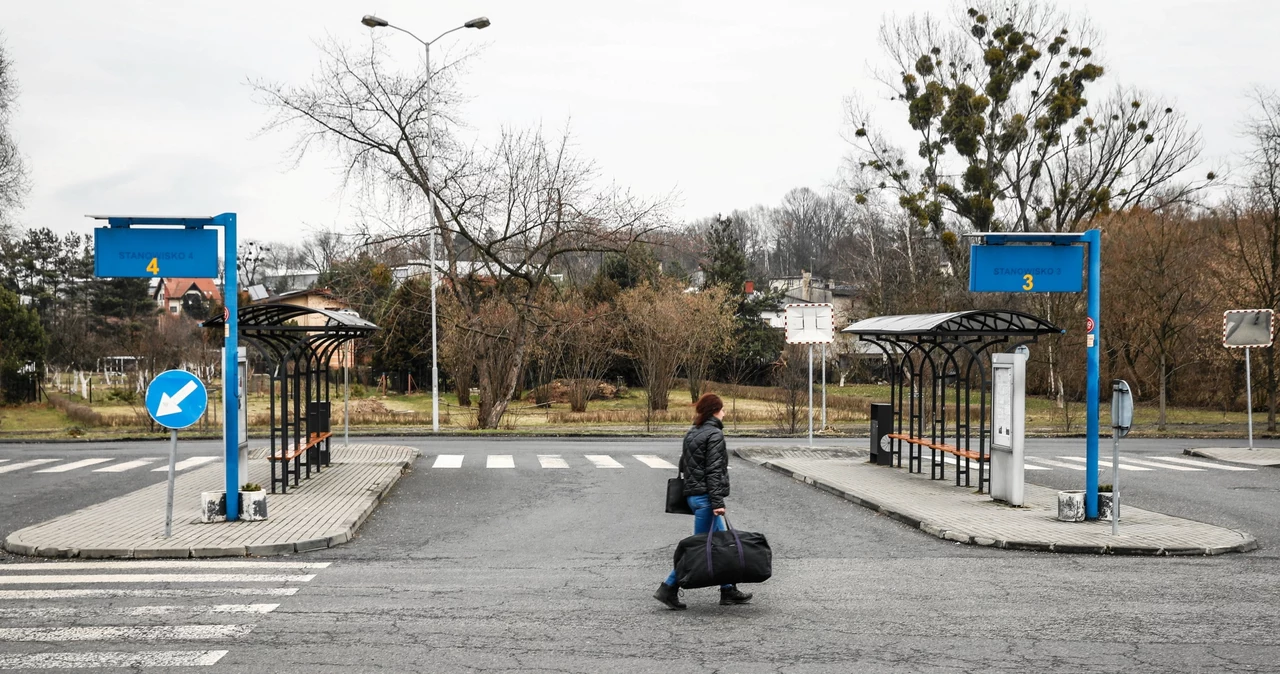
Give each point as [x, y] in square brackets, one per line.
[169, 293]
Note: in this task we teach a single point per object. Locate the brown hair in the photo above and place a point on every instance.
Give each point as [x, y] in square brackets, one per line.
[706, 406]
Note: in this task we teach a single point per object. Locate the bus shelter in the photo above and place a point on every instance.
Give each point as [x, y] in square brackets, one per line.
[300, 344]
[937, 362]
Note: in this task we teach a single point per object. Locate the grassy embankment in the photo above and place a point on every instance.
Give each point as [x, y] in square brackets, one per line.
[753, 411]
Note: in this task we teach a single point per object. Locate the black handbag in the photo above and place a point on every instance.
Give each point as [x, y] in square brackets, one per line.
[677, 504]
[723, 558]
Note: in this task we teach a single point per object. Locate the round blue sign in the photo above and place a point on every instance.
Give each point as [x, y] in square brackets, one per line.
[176, 398]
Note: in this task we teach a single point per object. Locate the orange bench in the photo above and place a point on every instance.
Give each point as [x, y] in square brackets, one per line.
[292, 454]
[916, 458]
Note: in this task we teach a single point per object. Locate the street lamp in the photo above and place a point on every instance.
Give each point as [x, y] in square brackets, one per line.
[477, 23]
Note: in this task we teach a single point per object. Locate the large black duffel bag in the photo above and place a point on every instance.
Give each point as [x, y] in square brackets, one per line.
[723, 558]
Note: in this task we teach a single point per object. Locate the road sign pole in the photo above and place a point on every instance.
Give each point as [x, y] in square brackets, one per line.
[346, 398]
[168, 502]
[1115, 481]
[1248, 393]
[824, 387]
[230, 367]
[810, 395]
[1094, 347]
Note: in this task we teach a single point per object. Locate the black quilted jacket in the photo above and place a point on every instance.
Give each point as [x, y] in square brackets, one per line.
[705, 462]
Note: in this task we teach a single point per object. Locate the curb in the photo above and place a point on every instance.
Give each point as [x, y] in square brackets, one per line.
[378, 492]
[1200, 453]
[1247, 543]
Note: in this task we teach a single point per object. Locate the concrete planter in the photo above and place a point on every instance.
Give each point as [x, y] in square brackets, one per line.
[1104, 505]
[213, 506]
[1071, 505]
[253, 505]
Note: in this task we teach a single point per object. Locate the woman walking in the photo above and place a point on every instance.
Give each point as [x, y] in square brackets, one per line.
[705, 466]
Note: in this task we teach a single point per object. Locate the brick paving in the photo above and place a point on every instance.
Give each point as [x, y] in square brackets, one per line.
[941, 509]
[321, 512]
[1260, 456]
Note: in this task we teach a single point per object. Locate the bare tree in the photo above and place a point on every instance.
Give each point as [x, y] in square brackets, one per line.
[590, 340]
[655, 336]
[1161, 276]
[504, 216]
[1251, 225]
[1007, 138]
[708, 324]
[13, 170]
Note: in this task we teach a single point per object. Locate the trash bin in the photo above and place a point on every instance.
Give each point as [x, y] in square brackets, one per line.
[881, 425]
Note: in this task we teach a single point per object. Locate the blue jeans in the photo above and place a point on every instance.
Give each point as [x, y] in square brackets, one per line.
[703, 521]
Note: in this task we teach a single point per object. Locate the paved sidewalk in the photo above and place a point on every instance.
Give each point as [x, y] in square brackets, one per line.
[1261, 456]
[321, 512]
[940, 508]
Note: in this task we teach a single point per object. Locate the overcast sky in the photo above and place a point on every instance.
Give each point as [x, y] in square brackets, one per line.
[143, 107]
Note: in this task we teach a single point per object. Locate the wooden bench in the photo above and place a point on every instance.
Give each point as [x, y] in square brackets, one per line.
[915, 458]
[295, 454]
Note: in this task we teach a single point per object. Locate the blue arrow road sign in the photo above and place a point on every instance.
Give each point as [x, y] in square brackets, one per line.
[176, 398]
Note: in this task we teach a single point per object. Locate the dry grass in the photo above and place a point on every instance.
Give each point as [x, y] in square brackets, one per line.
[79, 413]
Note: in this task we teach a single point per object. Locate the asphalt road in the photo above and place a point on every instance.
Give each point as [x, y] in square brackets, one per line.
[538, 570]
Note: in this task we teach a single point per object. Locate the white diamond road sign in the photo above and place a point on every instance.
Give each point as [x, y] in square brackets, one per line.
[176, 399]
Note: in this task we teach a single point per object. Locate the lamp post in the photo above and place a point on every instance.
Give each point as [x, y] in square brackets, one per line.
[477, 23]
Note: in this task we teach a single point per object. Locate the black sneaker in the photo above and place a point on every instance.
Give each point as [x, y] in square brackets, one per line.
[732, 595]
[670, 596]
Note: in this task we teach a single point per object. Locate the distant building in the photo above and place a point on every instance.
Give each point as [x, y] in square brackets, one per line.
[170, 293]
[312, 298]
[810, 289]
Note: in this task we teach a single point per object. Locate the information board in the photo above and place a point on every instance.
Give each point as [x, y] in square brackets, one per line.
[136, 252]
[1026, 269]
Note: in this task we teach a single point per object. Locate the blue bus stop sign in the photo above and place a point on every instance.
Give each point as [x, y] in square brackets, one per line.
[176, 399]
[136, 252]
[1026, 269]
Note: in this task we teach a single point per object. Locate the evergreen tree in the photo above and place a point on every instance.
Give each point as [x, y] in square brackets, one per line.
[726, 264]
[22, 345]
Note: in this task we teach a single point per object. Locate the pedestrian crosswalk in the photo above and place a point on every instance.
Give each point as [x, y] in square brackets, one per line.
[549, 461]
[1145, 464]
[137, 614]
[98, 465]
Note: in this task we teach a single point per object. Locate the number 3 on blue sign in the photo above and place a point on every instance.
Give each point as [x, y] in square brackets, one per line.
[1026, 277]
[153, 266]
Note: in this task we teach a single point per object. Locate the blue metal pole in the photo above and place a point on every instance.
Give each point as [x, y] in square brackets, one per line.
[1093, 343]
[231, 367]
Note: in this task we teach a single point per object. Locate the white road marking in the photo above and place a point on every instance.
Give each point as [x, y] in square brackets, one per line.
[102, 659]
[1188, 462]
[25, 464]
[153, 578]
[1055, 464]
[143, 633]
[552, 461]
[500, 461]
[1030, 467]
[1101, 463]
[4, 460]
[159, 564]
[448, 461]
[149, 593]
[127, 465]
[653, 461]
[602, 461]
[73, 465]
[186, 463]
[134, 611]
[1160, 465]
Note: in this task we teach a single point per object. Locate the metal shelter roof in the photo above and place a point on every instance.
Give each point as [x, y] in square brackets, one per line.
[977, 323]
[268, 325]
